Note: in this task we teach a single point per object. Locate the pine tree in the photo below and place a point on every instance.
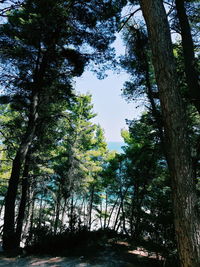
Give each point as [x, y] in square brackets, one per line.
[179, 157]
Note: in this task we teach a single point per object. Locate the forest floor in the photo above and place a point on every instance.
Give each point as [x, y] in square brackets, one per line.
[118, 254]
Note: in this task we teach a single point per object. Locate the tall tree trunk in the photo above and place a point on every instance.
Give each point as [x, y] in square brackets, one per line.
[23, 201]
[189, 56]
[71, 215]
[122, 196]
[63, 210]
[100, 215]
[41, 211]
[91, 207]
[9, 235]
[111, 212]
[137, 211]
[123, 218]
[27, 216]
[30, 236]
[58, 200]
[179, 158]
[106, 211]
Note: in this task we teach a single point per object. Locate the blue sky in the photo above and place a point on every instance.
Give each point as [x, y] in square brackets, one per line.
[111, 108]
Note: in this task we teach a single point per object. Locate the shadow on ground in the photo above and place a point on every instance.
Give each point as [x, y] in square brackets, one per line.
[98, 248]
[114, 253]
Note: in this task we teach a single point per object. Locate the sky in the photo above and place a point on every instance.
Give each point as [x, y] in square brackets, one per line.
[112, 110]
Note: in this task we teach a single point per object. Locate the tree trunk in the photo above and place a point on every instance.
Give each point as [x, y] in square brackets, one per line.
[123, 218]
[189, 57]
[106, 211]
[22, 206]
[41, 211]
[63, 210]
[122, 196]
[58, 200]
[9, 235]
[111, 212]
[91, 207]
[71, 215]
[179, 158]
[117, 216]
[30, 236]
[138, 205]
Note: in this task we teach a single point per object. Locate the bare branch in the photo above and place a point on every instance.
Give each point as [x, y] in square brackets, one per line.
[129, 17]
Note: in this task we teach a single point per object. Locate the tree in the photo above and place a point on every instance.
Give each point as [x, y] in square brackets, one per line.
[149, 220]
[179, 158]
[74, 163]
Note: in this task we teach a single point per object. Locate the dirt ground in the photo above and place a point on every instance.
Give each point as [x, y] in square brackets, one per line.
[107, 261]
[118, 256]
[44, 261]
[62, 261]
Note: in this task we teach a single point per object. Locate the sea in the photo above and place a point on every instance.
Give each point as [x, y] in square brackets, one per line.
[116, 146]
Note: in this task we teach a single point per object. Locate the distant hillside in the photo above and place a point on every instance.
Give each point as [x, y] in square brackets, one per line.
[116, 146]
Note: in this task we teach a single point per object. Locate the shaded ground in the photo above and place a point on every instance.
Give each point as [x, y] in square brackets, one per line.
[117, 254]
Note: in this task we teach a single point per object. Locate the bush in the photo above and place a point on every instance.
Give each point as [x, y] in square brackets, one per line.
[80, 242]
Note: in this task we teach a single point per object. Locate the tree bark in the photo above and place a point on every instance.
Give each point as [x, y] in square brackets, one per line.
[189, 56]
[180, 164]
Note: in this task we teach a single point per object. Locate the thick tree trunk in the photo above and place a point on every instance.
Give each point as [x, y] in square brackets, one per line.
[9, 235]
[187, 223]
[189, 57]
